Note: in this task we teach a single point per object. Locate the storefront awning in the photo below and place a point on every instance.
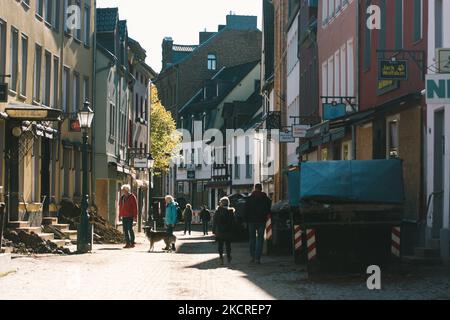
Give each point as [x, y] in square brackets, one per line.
[27, 112]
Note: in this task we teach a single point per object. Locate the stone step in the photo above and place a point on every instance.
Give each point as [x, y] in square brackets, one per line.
[420, 261]
[49, 221]
[46, 236]
[71, 234]
[423, 252]
[18, 224]
[62, 227]
[30, 229]
[59, 243]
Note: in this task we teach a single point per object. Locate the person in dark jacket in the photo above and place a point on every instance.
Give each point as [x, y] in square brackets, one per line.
[187, 216]
[223, 227]
[128, 214]
[257, 208]
[205, 216]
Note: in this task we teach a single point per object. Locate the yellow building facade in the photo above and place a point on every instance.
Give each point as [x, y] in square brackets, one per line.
[46, 50]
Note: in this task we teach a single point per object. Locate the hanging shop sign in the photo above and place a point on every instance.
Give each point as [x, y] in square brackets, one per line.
[299, 131]
[286, 135]
[334, 110]
[191, 174]
[141, 163]
[75, 125]
[392, 69]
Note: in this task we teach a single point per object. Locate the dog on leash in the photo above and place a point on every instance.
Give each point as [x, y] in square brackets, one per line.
[155, 237]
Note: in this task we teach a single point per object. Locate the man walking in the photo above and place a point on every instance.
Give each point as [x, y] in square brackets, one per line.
[128, 214]
[205, 216]
[257, 208]
[187, 215]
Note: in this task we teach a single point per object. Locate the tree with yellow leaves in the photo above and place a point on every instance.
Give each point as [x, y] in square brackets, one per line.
[164, 137]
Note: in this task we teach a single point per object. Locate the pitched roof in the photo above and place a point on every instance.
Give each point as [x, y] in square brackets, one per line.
[231, 75]
[107, 19]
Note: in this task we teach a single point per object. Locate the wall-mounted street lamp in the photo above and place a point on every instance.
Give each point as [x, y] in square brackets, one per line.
[85, 117]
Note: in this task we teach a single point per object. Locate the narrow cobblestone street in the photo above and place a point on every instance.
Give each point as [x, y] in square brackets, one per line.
[194, 273]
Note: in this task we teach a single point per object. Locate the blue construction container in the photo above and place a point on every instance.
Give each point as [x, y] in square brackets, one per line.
[373, 181]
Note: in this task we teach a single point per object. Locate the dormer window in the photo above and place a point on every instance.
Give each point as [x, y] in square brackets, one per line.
[212, 62]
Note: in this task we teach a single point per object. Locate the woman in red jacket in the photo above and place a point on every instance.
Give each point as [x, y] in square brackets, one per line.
[128, 214]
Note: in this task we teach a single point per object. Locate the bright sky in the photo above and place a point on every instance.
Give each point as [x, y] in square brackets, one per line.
[149, 21]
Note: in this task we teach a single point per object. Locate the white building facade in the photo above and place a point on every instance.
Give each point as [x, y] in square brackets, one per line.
[293, 86]
[438, 129]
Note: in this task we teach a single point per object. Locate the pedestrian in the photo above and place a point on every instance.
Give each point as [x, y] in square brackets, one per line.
[128, 215]
[205, 216]
[187, 215]
[257, 208]
[171, 217]
[223, 227]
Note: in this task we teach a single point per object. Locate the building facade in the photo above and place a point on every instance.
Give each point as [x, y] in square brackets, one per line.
[50, 62]
[438, 132]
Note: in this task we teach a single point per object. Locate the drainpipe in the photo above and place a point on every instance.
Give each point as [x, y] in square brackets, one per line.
[357, 82]
[94, 90]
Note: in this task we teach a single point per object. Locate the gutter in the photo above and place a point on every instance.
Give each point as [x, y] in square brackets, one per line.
[94, 90]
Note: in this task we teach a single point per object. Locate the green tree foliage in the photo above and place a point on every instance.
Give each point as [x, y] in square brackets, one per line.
[164, 137]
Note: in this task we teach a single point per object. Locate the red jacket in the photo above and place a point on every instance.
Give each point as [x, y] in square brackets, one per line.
[128, 207]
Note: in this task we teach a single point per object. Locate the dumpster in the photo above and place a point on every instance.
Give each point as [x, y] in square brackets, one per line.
[350, 214]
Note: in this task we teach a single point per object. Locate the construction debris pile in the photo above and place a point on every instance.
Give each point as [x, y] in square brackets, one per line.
[104, 232]
[27, 244]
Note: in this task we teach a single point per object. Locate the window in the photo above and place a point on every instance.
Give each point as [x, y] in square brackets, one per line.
[37, 74]
[112, 120]
[78, 30]
[418, 20]
[2, 47]
[350, 69]
[237, 168]
[57, 15]
[337, 73]
[23, 77]
[330, 76]
[85, 89]
[66, 13]
[49, 11]
[392, 128]
[65, 89]
[248, 167]
[142, 107]
[367, 44]
[47, 78]
[14, 58]
[212, 62]
[324, 154]
[439, 18]
[76, 92]
[324, 79]
[87, 25]
[343, 71]
[40, 8]
[346, 151]
[55, 82]
[399, 16]
[324, 12]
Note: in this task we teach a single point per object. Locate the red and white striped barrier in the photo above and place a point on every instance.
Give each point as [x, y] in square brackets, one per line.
[268, 233]
[395, 245]
[311, 242]
[297, 238]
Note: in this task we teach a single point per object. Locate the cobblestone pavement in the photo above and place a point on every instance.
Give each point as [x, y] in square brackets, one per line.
[194, 273]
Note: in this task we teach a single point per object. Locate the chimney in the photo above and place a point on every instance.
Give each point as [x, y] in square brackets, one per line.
[242, 22]
[167, 51]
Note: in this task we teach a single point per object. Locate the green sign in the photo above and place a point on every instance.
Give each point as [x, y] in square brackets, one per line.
[3, 92]
[191, 174]
[438, 88]
[393, 70]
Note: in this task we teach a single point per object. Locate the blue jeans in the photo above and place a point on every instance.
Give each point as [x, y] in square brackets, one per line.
[128, 230]
[256, 239]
